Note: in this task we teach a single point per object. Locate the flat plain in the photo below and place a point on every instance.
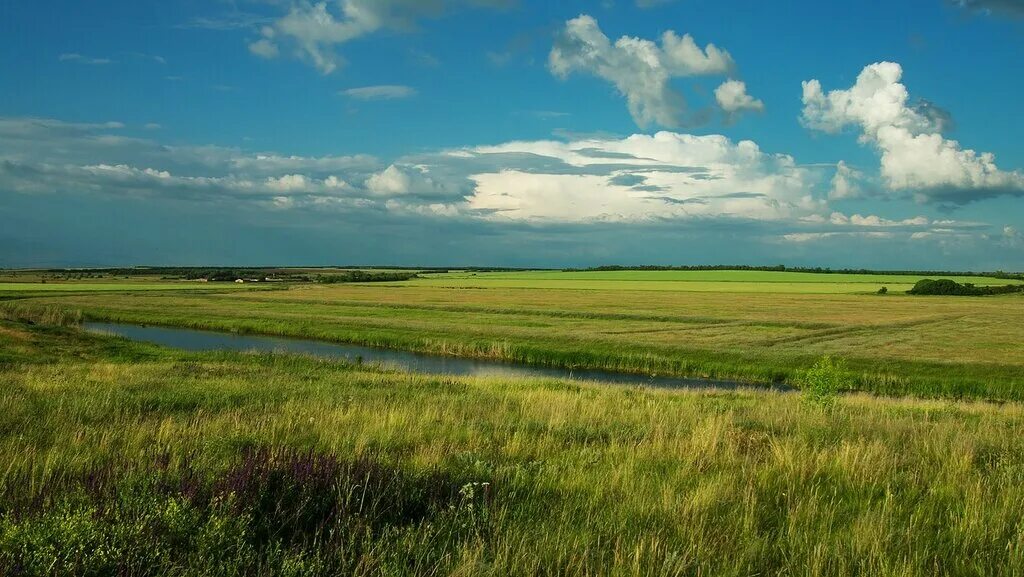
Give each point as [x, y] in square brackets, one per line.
[128, 458]
[895, 344]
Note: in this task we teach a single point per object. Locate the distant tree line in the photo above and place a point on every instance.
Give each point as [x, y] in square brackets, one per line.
[946, 286]
[784, 268]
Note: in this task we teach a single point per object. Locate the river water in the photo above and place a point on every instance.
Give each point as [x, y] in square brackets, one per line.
[199, 340]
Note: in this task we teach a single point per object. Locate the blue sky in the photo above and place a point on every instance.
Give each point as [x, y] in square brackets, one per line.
[504, 132]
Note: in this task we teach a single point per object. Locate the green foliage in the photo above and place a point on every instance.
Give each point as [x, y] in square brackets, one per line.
[946, 286]
[822, 383]
[883, 290]
[366, 276]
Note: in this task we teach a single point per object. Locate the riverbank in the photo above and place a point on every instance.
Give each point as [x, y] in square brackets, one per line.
[427, 364]
[937, 347]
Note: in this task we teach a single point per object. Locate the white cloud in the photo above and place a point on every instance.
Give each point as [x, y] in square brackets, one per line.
[640, 70]
[733, 99]
[841, 226]
[50, 156]
[381, 92]
[289, 183]
[665, 181]
[874, 221]
[75, 57]
[846, 183]
[314, 30]
[408, 179]
[915, 157]
[808, 237]
[390, 181]
[642, 177]
[264, 47]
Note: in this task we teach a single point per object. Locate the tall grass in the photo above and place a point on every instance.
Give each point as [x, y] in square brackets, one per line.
[190, 464]
[49, 315]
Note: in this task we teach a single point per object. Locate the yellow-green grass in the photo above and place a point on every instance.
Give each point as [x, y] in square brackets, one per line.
[895, 344]
[580, 479]
[656, 285]
[690, 281]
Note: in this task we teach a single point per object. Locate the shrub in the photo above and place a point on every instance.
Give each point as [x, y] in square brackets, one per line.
[945, 286]
[883, 291]
[823, 381]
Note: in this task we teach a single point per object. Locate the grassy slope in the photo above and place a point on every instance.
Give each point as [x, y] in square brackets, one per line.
[929, 346]
[582, 480]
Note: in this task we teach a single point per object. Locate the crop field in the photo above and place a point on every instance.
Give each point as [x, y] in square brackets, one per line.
[895, 344]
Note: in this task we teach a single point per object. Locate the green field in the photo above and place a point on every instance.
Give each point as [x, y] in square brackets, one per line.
[127, 458]
[895, 344]
[698, 281]
[130, 459]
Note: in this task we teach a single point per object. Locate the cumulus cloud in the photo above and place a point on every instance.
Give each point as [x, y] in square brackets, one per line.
[381, 92]
[915, 156]
[733, 99]
[641, 70]
[313, 31]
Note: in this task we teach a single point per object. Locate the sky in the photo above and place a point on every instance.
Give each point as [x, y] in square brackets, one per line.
[522, 133]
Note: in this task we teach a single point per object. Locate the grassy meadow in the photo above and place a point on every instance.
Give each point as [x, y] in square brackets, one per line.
[895, 344]
[129, 459]
[122, 458]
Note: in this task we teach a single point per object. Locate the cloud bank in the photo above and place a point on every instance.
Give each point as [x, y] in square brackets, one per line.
[703, 184]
